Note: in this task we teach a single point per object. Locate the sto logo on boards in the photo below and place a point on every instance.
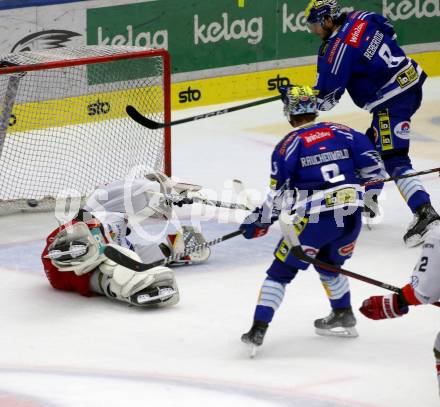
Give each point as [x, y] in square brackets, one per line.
[275, 83]
[189, 95]
[98, 108]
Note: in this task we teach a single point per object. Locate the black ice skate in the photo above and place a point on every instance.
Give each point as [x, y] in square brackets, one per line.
[255, 336]
[340, 322]
[424, 220]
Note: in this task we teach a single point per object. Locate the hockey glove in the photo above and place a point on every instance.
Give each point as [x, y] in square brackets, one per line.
[384, 307]
[253, 225]
[183, 201]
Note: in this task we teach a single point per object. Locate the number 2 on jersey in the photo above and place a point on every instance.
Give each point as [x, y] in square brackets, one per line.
[331, 173]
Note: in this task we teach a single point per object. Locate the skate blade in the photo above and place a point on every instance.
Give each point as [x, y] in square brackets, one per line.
[253, 349]
[368, 224]
[338, 332]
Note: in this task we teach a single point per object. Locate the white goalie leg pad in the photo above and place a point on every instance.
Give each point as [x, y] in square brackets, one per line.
[155, 287]
[186, 239]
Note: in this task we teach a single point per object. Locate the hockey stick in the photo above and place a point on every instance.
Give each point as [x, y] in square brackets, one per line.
[237, 187]
[415, 174]
[177, 200]
[151, 124]
[295, 246]
[123, 260]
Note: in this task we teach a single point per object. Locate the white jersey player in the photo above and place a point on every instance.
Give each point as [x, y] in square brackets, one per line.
[73, 258]
[424, 288]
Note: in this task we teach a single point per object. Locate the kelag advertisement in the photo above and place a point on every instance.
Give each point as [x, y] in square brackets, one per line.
[205, 35]
[221, 50]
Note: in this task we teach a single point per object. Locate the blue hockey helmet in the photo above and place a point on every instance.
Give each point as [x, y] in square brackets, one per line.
[317, 10]
[298, 100]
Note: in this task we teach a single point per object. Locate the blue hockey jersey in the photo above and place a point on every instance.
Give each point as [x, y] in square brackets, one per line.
[364, 58]
[325, 163]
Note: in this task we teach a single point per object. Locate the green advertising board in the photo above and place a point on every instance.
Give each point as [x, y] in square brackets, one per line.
[202, 35]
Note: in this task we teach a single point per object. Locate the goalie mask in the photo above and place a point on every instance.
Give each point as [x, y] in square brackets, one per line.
[149, 196]
[298, 100]
[317, 10]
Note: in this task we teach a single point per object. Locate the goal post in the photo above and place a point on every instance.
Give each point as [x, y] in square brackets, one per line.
[63, 124]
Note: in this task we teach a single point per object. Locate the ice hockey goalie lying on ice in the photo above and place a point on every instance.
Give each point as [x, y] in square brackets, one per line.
[74, 257]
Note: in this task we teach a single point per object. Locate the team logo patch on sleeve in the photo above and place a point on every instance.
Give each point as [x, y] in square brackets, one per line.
[403, 130]
[354, 37]
[414, 281]
[316, 136]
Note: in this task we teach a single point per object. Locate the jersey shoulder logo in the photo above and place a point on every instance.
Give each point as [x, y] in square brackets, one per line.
[332, 53]
[355, 34]
[285, 143]
[318, 135]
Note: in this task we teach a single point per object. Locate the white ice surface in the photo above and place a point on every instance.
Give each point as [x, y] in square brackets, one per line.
[60, 349]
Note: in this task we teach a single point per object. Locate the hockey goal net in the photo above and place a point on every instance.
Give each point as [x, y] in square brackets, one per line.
[63, 124]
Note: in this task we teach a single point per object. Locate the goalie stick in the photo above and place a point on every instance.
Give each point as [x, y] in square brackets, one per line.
[295, 246]
[196, 197]
[151, 124]
[177, 199]
[123, 260]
